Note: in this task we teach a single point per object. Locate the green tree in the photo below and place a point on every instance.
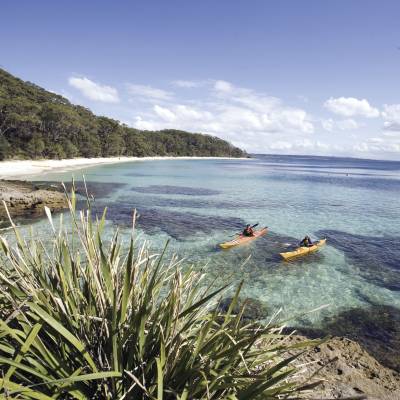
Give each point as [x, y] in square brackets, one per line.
[5, 148]
[31, 116]
[55, 151]
[36, 146]
[70, 149]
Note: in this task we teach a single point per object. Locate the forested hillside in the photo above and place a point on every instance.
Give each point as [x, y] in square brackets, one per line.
[35, 123]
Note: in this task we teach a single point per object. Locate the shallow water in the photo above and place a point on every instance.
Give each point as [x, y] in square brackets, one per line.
[200, 203]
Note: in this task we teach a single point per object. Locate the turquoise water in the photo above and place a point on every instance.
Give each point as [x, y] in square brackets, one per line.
[200, 203]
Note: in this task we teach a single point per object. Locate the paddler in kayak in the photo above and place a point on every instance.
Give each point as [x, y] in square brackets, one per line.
[248, 231]
[306, 242]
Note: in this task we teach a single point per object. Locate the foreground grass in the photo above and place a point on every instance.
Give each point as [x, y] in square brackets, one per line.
[95, 320]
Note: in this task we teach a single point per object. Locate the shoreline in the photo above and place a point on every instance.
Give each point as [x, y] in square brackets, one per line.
[17, 169]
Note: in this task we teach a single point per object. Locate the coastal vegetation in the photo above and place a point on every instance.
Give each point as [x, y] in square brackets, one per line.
[87, 317]
[36, 123]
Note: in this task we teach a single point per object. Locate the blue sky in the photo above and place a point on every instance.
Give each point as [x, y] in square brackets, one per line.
[295, 77]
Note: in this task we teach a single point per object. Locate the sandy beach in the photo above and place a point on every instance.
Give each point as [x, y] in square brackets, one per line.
[21, 169]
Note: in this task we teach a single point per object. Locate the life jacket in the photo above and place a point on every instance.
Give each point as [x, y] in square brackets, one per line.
[247, 231]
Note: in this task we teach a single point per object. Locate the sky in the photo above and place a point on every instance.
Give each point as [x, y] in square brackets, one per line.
[285, 77]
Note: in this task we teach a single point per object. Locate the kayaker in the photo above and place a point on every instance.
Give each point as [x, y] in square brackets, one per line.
[248, 231]
[306, 242]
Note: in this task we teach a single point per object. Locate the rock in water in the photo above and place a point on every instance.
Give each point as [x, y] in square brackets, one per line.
[24, 199]
[255, 310]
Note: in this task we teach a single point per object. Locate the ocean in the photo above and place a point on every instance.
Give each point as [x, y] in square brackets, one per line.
[197, 204]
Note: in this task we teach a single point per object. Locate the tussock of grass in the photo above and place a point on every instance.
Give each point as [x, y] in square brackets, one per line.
[95, 320]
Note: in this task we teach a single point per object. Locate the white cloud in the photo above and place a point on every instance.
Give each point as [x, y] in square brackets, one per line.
[347, 124]
[350, 107]
[252, 120]
[262, 112]
[378, 148]
[142, 124]
[391, 134]
[191, 113]
[391, 126]
[331, 125]
[391, 114]
[188, 84]
[237, 114]
[386, 144]
[328, 124]
[164, 113]
[223, 86]
[148, 92]
[94, 91]
[293, 119]
[376, 140]
[300, 146]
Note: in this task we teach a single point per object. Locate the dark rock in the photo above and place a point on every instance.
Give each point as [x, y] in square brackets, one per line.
[179, 225]
[95, 189]
[255, 309]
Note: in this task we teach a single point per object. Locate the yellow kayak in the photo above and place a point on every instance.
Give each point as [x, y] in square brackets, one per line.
[301, 251]
[241, 239]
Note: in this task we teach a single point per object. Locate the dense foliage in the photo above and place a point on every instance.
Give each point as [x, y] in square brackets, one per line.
[93, 319]
[35, 123]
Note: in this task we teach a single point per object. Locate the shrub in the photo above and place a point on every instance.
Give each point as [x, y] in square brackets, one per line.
[94, 319]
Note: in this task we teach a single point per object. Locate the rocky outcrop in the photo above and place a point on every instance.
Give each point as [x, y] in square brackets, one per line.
[25, 199]
[347, 371]
[376, 328]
